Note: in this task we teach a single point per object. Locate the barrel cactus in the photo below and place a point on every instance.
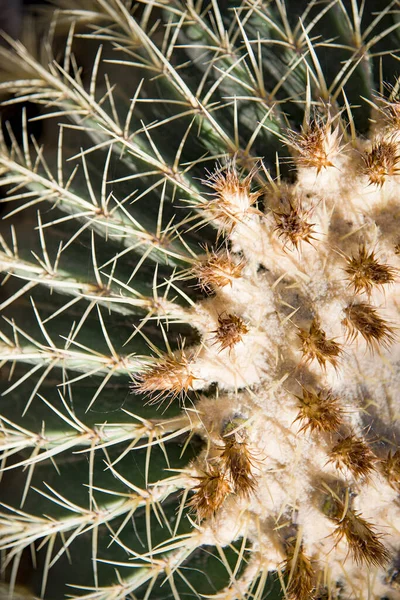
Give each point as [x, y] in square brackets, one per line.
[199, 345]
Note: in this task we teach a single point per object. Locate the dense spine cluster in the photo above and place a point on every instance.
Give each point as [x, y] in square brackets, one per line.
[201, 348]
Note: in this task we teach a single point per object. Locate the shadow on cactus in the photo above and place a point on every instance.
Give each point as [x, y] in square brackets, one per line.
[199, 342]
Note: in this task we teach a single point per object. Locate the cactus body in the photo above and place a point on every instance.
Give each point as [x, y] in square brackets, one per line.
[200, 345]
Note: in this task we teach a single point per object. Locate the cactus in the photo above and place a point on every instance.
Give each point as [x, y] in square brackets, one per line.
[199, 342]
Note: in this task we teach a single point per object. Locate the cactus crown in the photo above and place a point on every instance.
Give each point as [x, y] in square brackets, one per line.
[200, 345]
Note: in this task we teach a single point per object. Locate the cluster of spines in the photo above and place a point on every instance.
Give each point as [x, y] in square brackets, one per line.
[169, 376]
[231, 471]
[230, 331]
[361, 318]
[364, 543]
[233, 197]
[353, 453]
[299, 572]
[365, 271]
[216, 270]
[381, 162]
[292, 223]
[210, 492]
[390, 468]
[317, 145]
[237, 458]
[388, 110]
[316, 345]
[319, 411]
[233, 201]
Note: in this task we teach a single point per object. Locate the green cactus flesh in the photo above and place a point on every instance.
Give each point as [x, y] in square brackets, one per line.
[199, 346]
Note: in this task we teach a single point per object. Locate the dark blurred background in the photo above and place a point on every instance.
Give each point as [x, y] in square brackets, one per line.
[10, 16]
[11, 12]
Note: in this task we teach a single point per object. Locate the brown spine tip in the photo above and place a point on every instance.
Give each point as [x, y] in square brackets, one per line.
[391, 469]
[390, 109]
[316, 145]
[365, 546]
[233, 197]
[299, 572]
[209, 493]
[353, 452]
[230, 332]
[292, 224]
[365, 271]
[362, 318]
[319, 411]
[217, 270]
[238, 460]
[381, 162]
[315, 345]
[170, 375]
